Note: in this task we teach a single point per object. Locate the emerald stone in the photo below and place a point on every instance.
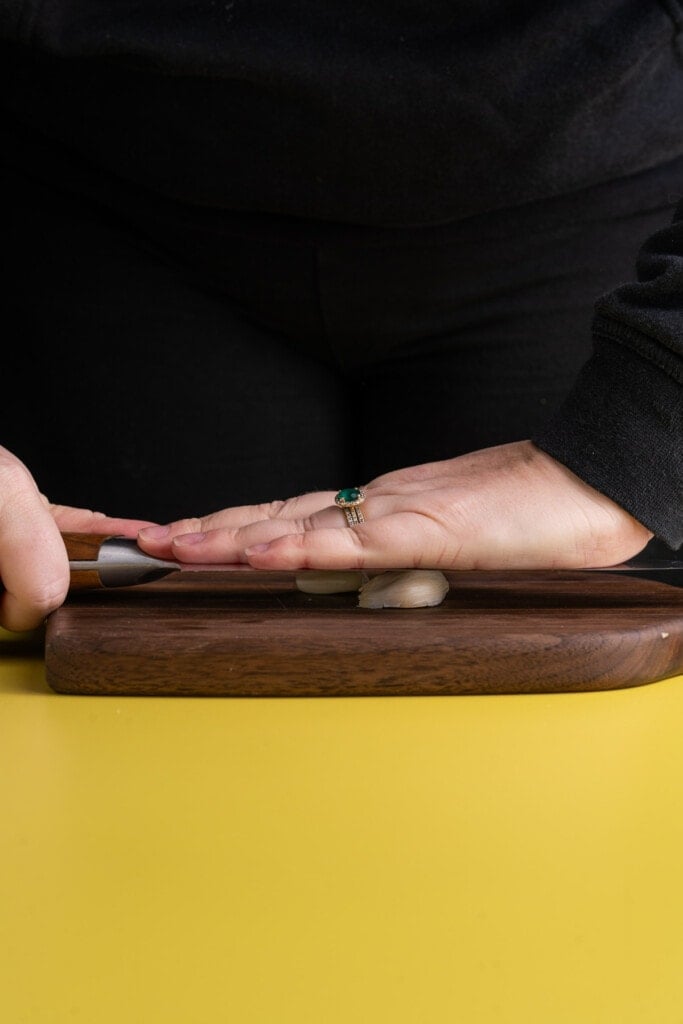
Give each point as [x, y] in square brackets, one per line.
[348, 496]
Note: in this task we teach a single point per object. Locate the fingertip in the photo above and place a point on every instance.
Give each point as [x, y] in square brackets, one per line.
[154, 533]
[20, 614]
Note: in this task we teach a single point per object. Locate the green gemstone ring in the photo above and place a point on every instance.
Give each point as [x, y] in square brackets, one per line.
[348, 500]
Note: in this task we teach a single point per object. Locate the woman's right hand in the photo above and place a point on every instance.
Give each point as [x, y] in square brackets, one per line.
[34, 567]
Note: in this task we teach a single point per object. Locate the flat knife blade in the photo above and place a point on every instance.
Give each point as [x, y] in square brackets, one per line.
[119, 562]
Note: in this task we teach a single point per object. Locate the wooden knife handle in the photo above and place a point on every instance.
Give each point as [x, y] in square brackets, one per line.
[84, 547]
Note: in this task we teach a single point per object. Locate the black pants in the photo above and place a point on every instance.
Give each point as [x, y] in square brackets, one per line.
[168, 360]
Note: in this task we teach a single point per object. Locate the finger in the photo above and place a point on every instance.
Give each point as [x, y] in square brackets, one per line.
[34, 568]
[81, 520]
[229, 545]
[158, 541]
[402, 540]
[299, 507]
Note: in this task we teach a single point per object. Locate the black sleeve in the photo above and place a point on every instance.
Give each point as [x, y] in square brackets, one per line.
[621, 428]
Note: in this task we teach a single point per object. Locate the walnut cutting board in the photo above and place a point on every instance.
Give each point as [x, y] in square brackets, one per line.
[243, 634]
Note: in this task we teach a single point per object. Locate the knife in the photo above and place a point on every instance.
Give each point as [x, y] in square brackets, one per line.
[98, 561]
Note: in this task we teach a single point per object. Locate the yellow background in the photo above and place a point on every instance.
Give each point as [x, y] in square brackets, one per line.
[486, 860]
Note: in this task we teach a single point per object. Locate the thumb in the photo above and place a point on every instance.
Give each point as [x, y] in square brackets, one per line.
[34, 568]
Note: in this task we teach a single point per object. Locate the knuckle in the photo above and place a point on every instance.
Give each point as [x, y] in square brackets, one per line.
[273, 509]
[287, 509]
[193, 525]
[291, 508]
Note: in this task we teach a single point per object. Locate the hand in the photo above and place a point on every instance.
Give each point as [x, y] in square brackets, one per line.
[511, 506]
[34, 568]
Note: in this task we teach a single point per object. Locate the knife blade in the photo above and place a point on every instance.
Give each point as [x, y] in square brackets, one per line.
[97, 562]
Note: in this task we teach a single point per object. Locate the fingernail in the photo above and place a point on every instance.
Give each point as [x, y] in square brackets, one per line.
[255, 549]
[190, 538]
[155, 532]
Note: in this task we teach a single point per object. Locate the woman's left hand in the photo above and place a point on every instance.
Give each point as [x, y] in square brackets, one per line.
[508, 507]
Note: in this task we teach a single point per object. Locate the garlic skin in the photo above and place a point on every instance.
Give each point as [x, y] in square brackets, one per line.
[410, 588]
[328, 582]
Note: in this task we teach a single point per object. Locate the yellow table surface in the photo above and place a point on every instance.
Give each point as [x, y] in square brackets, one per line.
[512, 860]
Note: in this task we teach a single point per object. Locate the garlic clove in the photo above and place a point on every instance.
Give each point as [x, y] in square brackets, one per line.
[410, 588]
[328, 582]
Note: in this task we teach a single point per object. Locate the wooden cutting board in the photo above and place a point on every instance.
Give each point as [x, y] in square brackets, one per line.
[241, 634]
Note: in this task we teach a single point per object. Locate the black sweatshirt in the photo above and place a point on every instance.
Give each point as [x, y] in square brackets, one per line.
[400, 112]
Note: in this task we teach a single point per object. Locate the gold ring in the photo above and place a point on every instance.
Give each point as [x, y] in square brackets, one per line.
[348, 500]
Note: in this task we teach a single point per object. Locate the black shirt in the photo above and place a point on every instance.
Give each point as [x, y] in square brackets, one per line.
[400, 113]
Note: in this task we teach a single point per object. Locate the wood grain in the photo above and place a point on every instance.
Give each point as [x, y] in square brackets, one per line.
[510, 632]
[83, 547]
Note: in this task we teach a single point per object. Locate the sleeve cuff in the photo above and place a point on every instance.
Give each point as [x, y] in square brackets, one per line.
[620, 430]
